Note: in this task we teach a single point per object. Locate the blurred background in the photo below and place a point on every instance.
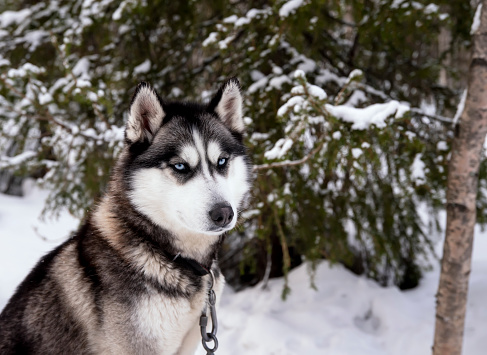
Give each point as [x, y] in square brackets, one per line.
[350, 109]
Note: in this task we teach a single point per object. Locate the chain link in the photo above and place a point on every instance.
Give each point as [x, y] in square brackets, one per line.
[210, 337]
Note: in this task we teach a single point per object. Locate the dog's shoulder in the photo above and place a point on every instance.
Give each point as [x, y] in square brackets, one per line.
[36, 303]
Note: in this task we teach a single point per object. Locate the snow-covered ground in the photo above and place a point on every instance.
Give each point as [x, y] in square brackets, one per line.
[347, 315]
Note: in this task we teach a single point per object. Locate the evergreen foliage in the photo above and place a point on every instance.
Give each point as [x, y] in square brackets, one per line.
[367, 193]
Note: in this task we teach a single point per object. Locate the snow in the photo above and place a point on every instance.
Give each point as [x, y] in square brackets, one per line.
[4, 62]
[254, 13]
[461, 107]
[337, 135]
[142, 68]
[117, 15]
[317, 92]
[256, 75]
[297, 100]
[81, 70]
[242, 21]
[277, 70]
[417, 170]
[258, 85]
[431, 8]
[327, 76]
[299, 74]
[293, 101]
[22, 71]
[35, 38]
[357, 98]
[230, 19]
[212, 37]
[176, 92]
[18, 159]
[223, 44]
[298, 90]
[375, 114]
[281, 147]
[443, 17]
[346, 315]
[24, 239]
[354, 75]
[257, 136]
[248, 121]
[82, 67]
[45, 98]
[238, 22]
[290, 7]
[476, 20]
[442, 145]
[92, 96]
[356, 152]
[306, 65]
[277, 81]
[396, 3]
[401, 110]
[8, 18]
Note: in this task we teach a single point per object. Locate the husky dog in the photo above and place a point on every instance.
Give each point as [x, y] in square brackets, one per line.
[134, 278]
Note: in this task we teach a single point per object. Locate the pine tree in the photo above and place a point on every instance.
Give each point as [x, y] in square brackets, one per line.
[354, 193]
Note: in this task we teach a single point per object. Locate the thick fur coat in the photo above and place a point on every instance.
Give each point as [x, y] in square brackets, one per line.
[126, 282]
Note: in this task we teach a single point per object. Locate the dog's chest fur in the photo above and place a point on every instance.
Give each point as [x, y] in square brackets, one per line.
[156, 323]
[171, 325]
[155, 315]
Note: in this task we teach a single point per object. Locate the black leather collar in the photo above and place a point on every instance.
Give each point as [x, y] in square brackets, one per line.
[196, 267]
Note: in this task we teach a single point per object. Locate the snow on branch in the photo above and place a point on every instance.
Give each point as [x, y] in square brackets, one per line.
[8, 162]
[362, 118]
[287, 163]
[291, 7]
[308, 104]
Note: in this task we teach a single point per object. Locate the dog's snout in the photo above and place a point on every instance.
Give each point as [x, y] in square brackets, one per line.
[221, 214]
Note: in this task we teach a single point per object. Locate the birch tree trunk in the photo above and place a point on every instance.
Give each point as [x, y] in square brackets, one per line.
[469, 137]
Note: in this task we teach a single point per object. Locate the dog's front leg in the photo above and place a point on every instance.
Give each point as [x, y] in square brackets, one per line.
[191, 341]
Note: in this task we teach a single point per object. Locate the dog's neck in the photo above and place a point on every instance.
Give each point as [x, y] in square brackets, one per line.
[122, 225]
[195, 246]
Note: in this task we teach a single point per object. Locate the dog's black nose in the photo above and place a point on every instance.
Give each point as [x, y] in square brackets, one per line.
[221, 214]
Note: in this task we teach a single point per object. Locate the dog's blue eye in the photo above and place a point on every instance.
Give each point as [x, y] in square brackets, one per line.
[179, 166]
[222, 161]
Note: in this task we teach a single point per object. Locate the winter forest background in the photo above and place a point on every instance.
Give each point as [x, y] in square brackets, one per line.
[350, 109]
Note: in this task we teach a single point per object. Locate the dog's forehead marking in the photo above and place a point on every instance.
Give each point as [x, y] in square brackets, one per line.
[214, 152]
[200, 147]
[190, 155]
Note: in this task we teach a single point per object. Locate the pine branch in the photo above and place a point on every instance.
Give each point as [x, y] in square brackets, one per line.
[287, 163]
[434, 117]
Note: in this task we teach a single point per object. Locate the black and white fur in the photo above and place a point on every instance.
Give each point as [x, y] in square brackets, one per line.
[124, 283]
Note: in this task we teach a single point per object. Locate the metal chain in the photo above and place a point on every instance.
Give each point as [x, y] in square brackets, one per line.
[210, 337]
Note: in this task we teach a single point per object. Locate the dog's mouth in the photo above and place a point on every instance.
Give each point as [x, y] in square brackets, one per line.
[219, 229]
[212, 230]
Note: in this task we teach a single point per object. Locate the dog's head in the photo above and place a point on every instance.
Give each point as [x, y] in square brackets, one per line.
[187, 169]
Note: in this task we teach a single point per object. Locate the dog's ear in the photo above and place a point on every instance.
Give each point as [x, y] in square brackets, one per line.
[145, 114]
[227, 104]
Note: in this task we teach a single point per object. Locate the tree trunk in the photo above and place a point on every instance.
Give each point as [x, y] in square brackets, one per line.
[470, 134]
